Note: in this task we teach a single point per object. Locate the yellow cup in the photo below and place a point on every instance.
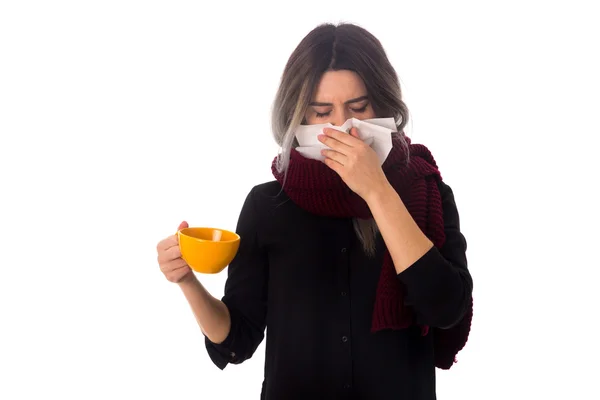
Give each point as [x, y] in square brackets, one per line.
[205, 255]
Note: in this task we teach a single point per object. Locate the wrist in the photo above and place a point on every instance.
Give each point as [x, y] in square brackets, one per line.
[189, 278]
[380, 194]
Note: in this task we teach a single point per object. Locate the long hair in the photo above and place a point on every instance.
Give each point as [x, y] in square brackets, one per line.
[331, 47]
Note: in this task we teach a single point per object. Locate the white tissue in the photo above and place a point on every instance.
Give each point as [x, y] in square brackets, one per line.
[376, 132]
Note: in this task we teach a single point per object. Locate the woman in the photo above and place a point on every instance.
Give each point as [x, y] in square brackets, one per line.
[357, 269]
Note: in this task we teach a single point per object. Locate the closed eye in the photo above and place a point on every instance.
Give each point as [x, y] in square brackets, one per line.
[360, 110]
[355, 110]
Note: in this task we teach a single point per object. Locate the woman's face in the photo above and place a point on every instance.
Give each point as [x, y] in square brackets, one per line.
[340, 95]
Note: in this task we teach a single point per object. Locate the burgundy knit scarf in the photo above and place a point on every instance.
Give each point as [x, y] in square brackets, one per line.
[313, 186]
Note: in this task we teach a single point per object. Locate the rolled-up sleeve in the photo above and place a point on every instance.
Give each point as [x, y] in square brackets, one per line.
[245, 293]
[438, 285]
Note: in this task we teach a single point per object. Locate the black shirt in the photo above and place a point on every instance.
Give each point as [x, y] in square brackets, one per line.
[308, 281]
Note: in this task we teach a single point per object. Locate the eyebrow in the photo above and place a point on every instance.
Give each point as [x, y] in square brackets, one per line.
[356, 100]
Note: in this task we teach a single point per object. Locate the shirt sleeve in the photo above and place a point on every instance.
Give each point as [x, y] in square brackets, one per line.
[439, 285]
[245, 293]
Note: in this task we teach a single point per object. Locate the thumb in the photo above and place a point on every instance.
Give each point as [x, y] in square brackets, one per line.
[354, 132]
[183, 225]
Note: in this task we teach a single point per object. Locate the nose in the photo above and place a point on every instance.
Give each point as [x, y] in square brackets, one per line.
[340, 115]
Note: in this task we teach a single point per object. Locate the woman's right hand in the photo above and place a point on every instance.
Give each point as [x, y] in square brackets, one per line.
[171, 264]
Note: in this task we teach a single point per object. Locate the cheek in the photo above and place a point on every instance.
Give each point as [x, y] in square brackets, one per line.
[309, 118]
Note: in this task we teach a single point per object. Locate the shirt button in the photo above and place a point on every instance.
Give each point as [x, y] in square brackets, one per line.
[344, 339]
[343, 249]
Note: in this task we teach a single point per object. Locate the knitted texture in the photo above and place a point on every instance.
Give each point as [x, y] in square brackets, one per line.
[313, 186]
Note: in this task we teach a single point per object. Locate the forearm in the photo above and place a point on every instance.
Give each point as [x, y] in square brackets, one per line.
[211, 314]
[403, 237]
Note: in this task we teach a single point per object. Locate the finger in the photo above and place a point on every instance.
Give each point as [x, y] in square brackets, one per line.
[354, 132]
[177, 275]
[183, 225]
[173, 252]
[335, 156]
[173, 265]
[166, 243]
[334, 144]
[334, 165]
[348, 140]
[169, 254]
[171, 240]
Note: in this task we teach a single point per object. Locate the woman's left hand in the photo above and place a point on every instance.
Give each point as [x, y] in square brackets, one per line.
[354, 161]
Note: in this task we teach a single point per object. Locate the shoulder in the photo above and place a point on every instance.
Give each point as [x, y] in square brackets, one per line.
[267, 192]
[267, 196]
[268, 189]
[445, 190]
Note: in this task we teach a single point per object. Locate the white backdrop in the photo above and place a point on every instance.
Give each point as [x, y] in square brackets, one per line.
[120, 119]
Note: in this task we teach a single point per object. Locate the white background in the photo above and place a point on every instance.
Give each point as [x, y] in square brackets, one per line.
[120, 119]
